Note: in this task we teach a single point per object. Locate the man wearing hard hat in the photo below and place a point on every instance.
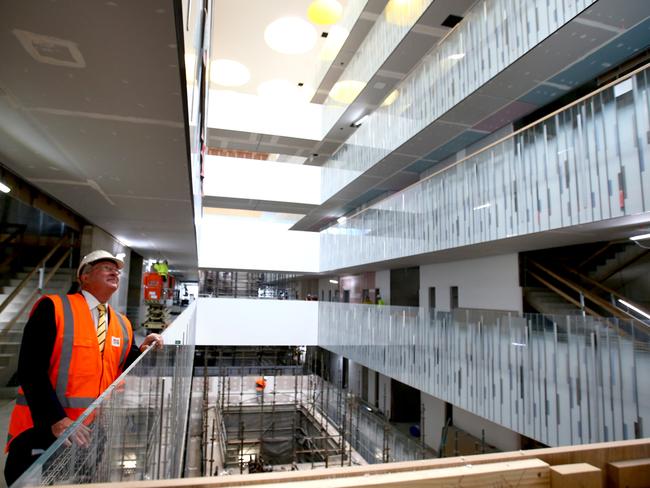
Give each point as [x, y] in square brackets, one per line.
[74, 346]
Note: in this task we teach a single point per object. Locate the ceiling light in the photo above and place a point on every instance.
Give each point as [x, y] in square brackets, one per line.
[325, 12]
[4, 188]
[342, 220]
[402, 12]
[640, 237]
[360, 121]
[346, 91]
[334, 42]
[290, 35]
[637, 310]
[334, 282]
[226, 72]
[390, 98]
[456, 57]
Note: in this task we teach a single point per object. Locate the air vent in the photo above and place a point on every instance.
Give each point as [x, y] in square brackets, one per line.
[451, 21]
[50, 50]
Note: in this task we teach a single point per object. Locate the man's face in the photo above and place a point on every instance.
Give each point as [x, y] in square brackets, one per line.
[102, 279]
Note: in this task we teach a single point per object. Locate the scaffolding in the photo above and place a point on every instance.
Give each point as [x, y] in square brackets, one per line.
[299, 422]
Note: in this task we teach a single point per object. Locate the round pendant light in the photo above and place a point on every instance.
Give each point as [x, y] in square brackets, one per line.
[226, 72]
[290, 35]
[325, 12]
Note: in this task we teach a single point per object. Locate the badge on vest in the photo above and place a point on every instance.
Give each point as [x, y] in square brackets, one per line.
[115, 341]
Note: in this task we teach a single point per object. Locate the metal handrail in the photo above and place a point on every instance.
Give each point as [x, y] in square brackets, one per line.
[29, 276]
[46, 280]
[617, 312]
[612, 293]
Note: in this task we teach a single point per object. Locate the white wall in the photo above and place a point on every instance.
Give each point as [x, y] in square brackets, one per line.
[384, 394]
[382, 281]
[502, 438]
[280, 182]
[490, 283]
[434, 419]
[240, 239]
[256, 322]
[354, 378]
[372, 387]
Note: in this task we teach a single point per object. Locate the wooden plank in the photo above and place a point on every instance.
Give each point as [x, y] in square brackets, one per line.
[531, 473]
[580, 475]
[632, 473]
[598, 455]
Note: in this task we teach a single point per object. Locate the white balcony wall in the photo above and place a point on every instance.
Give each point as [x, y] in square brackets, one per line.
[252, 322]
[236, 239]
[261, 180]
[585, 164]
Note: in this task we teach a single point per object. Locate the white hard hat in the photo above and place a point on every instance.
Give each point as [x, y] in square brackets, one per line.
[99, 255]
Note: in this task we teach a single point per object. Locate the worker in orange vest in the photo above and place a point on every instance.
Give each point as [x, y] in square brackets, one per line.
[260, 384]
[60, 374]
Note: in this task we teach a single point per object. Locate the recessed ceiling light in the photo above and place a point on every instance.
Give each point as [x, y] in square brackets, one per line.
[290, 35]
[226, 72]
[284, 90]
[456, 57]
[325, 12]
[334, 43]
[345, 91]
[390, 98]
[402, 12]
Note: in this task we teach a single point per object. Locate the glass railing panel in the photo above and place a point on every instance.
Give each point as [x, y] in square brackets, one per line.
[490, 38]
[137, 426]
[581, 165]
[558, 379]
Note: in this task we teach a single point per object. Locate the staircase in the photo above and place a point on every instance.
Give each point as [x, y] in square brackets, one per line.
[548, 302]
[596, 278]
[10, 340]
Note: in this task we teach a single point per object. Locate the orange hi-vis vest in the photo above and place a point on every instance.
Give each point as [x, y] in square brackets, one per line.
[78, 371]
[260, 384]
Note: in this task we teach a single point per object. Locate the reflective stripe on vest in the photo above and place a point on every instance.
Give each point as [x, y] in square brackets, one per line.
[125, 335]
[66, 359]
[76, 402]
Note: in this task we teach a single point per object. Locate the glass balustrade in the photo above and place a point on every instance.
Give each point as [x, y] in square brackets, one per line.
[584, 164]
[137, 426]
[560, 380]
[493, 34]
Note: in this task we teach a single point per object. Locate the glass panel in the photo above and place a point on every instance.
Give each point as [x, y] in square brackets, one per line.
[584, 164]
[137, 425]
[557, 379]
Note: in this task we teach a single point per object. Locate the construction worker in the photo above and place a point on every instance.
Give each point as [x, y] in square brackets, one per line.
[260, 384]
[162, 269]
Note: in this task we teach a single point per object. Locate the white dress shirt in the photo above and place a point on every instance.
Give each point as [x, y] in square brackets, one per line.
[92, 305]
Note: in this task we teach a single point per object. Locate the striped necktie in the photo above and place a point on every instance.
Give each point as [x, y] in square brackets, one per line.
[101, 326]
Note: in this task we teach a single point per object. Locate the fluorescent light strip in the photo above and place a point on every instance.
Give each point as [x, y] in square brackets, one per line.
[334, 282]
[640, 237]
[4, 188]
[629, 305]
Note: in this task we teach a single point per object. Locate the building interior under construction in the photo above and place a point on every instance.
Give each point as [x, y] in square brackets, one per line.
[303, 419]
